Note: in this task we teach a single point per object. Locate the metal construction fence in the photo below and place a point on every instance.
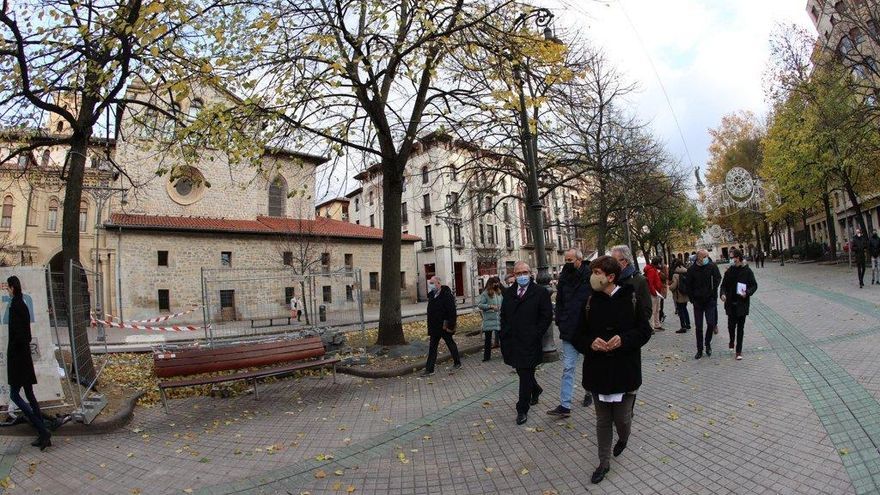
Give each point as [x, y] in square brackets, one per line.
[248, 302]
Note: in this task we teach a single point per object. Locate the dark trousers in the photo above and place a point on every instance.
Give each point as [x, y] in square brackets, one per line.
[487, 343]
[735, 326]
[662, 312]
[709, 311]
[528, 388]
[31, 408]
[683, 316]
[432, 349]
[620, 415]
[860, 266]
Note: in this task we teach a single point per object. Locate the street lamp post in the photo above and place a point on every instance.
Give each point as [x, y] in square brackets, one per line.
[450, 223]
[528, 142]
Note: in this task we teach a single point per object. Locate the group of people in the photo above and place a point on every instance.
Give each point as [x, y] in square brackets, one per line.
[606, 311]
[862, 248]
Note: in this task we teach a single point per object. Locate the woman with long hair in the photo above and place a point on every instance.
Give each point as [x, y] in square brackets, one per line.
[19, 364]
[489, 304]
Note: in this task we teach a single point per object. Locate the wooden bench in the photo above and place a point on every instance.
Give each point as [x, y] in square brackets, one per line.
[299, 354]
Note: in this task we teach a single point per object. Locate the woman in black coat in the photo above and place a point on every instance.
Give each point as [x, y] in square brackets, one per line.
[611, 337]
[736, 305]
[19, 365]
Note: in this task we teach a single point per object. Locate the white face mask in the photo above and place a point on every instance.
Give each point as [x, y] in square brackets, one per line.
[431, 287]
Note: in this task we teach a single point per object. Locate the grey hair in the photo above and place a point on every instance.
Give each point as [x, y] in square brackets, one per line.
[439, 279]
[577, 253]
[624, 251]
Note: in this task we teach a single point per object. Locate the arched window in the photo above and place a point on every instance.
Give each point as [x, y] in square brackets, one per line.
[59, 127]
[52, 219]
[46, 156]
[83, 215]
[278, 197]
[195, 107]
[424, 175]
[6, 218]
[845, 46]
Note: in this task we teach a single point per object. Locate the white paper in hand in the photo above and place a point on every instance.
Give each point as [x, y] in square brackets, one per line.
[741, 288]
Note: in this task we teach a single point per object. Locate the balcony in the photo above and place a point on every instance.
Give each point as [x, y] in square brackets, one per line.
[426, 212]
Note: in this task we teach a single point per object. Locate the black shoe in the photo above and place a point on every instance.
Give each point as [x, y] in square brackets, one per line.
[521, 418]
[486, 359]
[427, 373]
[36, 443]
[681, 330]
[588, 400]
[456, 366]
[599, 474]
[560, 412]
[708, 350]
[618, 448]
[698, 355]
[535, 396]
[44, 442]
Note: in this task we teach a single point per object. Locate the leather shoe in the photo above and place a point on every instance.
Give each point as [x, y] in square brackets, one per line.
[698, 355]
[534, 401]
[521, 418]
[618, 448]
[588, 400]
[708, 350]
[599, 474]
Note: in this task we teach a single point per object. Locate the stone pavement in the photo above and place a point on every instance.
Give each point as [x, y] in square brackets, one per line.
[799, 415]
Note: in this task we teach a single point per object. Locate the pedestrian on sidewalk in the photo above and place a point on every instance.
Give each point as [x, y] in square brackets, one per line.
[295, 311]
[859, 246]
[611, 338]
[19, 363]
[655, 288]
[678, 287]
[703, 281]
[490, 307]
[737, 288]
[571, 296]
[630, 276]
[874, 251]
[526, 314]
[442, 316]
[664, 289]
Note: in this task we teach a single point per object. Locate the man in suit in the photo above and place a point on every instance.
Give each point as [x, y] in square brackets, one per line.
[442, 316]
[526, 313]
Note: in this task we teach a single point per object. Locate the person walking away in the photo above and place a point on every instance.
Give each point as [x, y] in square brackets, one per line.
[526, 314]
[490, 305]
[630, 276]
[19, 363]
[442, 317]
[703, 281]
[874, 251]
[572, 294]
[663, 271]
[611, 337]
[737, 288]
[655, 286]
[679, 295]
[859, 246]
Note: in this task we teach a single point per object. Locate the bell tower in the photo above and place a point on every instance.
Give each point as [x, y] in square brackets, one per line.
[56, 124]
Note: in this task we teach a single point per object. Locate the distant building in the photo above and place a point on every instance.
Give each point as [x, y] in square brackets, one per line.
[336, 208]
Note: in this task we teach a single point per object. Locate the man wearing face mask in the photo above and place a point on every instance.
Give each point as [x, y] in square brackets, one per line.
[630, 276]
[737, 289]
[442, 317]
[704, 278]
[526, 313]
[571, 295]
[859, 246]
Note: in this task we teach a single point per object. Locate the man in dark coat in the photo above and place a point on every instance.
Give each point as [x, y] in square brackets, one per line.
[571, 296]
[874, 251]
[736, 300]
[442, 316]
[704, 278]
[526, 313]
[630, 276]
[859, 246]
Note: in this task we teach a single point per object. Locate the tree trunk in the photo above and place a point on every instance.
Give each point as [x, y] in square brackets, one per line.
[829, 222]
[390, 326]
[78, 311]
[602, 221]
[808, 238]
[851, 193]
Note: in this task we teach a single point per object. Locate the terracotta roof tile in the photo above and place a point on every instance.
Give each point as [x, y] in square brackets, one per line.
[320, 227]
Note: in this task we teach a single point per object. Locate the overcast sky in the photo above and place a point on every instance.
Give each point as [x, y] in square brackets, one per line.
[709, 55]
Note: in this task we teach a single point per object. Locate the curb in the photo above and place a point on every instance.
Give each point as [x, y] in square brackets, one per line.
[115, 422]
[406, 369]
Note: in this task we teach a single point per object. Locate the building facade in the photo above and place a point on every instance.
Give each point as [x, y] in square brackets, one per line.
[470, 219]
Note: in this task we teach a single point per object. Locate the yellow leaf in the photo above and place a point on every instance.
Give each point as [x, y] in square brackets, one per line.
[320, 474]
[672, 415]
[337, 486]
[339, 472]
[350, 489]
[524, 471]
[187, 490]
[488, 469]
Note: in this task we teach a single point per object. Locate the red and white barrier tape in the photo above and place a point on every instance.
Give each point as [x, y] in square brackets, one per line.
[172, 328]
[152, 320]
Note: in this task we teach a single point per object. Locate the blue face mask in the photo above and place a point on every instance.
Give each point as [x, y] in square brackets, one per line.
[431, 287]
[705, 261]
[522, 280]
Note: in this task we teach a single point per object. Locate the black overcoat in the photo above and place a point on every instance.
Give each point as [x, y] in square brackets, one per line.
[441, 309]
[19, 365]
[734, 304]
[523, 323]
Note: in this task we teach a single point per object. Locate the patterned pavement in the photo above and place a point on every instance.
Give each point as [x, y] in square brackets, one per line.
[798, 415]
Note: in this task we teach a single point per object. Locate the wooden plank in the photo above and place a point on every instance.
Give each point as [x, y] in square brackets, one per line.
[247, 375]
[243, 353]
[195, 361]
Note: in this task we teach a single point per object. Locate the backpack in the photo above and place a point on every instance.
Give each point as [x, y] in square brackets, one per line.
[682, 287]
